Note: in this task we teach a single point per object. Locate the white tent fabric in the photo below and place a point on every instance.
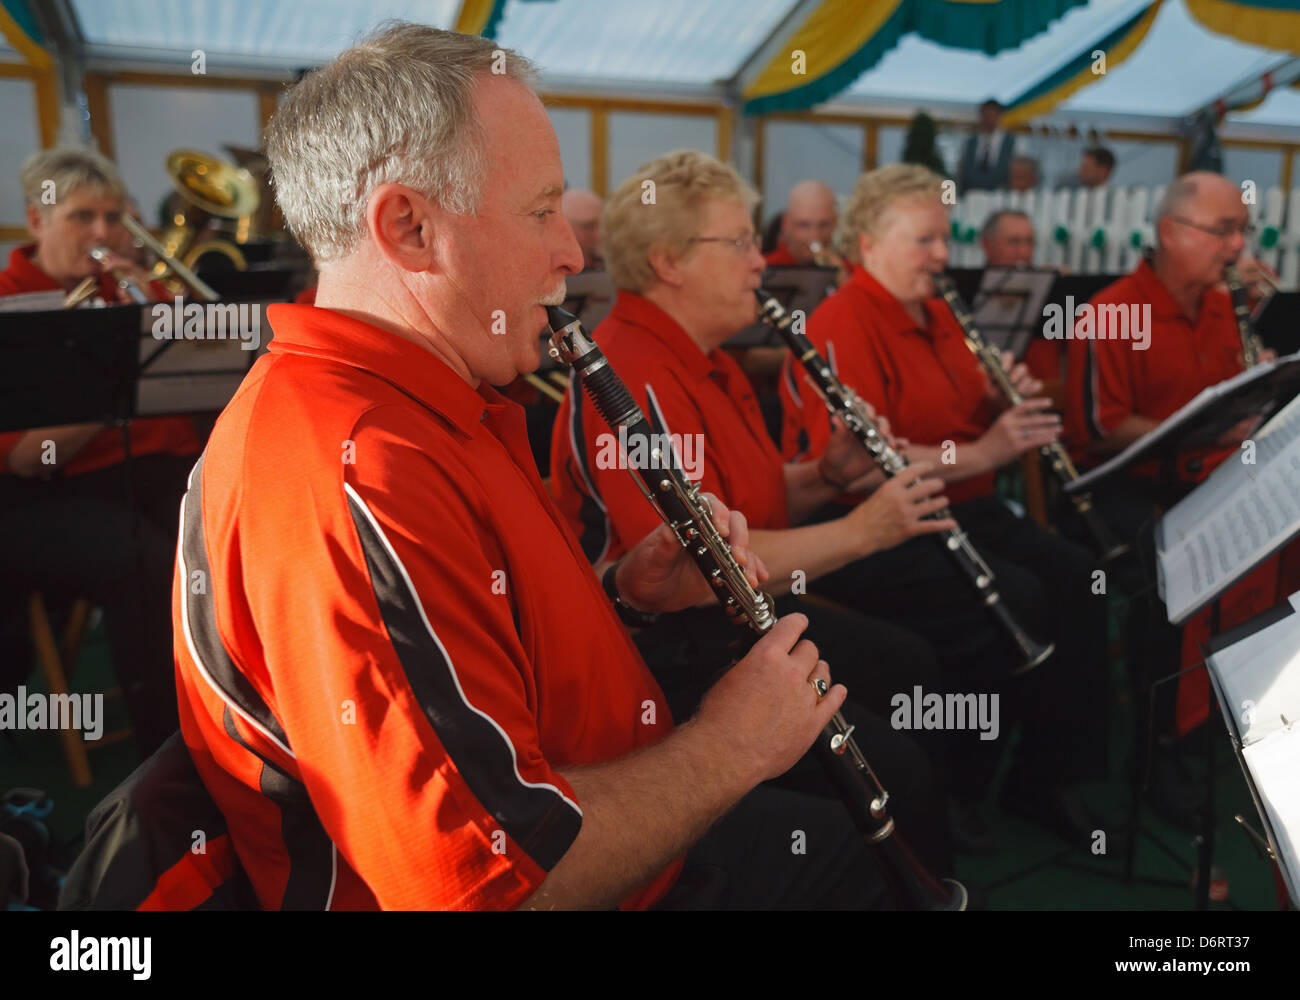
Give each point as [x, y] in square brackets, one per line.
[1179, 68]
[690, 46]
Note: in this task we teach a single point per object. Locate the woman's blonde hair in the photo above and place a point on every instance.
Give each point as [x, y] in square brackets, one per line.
[876, 192]
[69, 168]
[658, 207]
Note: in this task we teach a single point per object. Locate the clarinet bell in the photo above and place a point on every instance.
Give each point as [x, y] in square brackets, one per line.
[1035, 653]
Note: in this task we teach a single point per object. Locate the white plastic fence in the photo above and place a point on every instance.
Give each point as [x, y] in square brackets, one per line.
[1103, 230]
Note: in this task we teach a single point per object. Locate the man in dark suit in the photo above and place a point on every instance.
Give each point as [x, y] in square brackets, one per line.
[986, 155]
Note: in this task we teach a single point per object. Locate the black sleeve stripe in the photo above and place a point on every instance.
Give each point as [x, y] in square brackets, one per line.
[199, 622]
[597, 533]
[537, 816]
[310, 850]
[791, 382]
[1091, 401]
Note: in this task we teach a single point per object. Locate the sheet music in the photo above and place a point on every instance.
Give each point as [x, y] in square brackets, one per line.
[32, 301]
[1274, 763]
[1234, 520]
[1172, 425]
[1259, 677]
[1258, 682]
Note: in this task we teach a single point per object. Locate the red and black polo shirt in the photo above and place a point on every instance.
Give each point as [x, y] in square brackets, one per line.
[388, 643]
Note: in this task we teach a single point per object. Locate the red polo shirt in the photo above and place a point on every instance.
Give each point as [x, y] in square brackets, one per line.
[692, 393]
[149, 435]
[1110, 380]
[395, 644]
[924, 379]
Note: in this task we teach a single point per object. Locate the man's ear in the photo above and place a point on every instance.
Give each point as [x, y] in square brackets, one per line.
[34, 220]
[665, 266]
[1166, 232]
[400, 222]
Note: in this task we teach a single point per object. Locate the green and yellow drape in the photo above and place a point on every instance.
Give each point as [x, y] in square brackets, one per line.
[480, 17]
[1076, 74]
[842, 39]
[1271, 24]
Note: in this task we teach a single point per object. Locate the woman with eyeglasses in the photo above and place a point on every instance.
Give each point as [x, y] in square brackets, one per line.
[681, 249]
[898, 345]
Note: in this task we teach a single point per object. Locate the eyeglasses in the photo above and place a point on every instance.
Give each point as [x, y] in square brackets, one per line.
[741, 244]
[1223, 232]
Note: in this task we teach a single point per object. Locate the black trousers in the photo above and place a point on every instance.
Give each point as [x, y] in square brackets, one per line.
[1131, 507]
[1046, 581]
[780, 850]
[109, 536]
[688, 651]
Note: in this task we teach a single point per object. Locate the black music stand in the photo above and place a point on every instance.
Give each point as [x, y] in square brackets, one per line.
[68, 366]
[1009, 306]
[1067, 288]
[1262, 392]
[801, 288]
[262, 283]
[1278, 325]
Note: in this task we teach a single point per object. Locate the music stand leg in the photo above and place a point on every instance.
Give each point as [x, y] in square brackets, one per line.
[1205, 840]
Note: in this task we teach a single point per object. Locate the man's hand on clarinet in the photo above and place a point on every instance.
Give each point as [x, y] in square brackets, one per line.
[658, 575]
[768, 709]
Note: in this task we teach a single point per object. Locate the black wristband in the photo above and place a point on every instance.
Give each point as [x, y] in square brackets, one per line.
[627, 614]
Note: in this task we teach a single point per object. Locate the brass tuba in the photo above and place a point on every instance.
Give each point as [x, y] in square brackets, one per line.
[207, 189]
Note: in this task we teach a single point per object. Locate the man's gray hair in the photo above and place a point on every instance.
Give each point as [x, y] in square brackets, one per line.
[995, 219]
[397, 108]
[1177, 195]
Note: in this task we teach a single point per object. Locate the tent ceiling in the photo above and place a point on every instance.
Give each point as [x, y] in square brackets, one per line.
[668, 41]
[1155, 81]
[690, 46]
[273, 33]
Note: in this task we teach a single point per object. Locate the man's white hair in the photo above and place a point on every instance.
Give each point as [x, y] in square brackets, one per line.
[397, 108]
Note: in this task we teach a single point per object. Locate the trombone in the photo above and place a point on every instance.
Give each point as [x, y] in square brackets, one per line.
[166, 262]
[89, 285]
[169, 263]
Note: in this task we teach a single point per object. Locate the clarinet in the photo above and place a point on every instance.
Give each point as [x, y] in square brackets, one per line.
[1251, 345]
[1058, 459]
[677, 500]
[843, 402]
